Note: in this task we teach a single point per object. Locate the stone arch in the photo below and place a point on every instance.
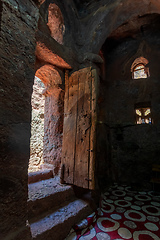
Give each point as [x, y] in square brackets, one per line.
[124, 62]
[53, 80]
[50, 67]
[141, 61]
[137, 61]
[53, 14]
[46, 149]
[122, 12]
[56, 22]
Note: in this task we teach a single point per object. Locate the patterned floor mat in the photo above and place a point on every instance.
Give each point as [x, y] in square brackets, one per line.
[123, 214]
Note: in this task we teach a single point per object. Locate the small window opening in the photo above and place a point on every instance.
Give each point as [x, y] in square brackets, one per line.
[139, 72]
[139, 69]
[143, 115]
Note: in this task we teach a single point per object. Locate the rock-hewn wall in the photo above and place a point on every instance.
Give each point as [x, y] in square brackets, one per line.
[53, 123]
[17, 50]
[37, 126]
[130, 149]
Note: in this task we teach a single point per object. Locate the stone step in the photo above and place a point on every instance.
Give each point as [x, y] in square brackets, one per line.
[57, 225]
[45, 195]
[39, 176]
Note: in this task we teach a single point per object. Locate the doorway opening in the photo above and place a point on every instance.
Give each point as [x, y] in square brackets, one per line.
[47, 98]
[37, 126]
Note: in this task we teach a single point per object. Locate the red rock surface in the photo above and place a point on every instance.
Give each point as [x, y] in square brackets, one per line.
[37, 126]
[56, 22]
[53, 79]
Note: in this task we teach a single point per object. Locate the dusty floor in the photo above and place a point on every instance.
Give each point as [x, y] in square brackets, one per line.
[123, 214]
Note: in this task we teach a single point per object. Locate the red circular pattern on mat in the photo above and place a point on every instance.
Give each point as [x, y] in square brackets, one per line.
[145, 237]
[107, 223]
[143, 197]
[152, 210]
[141, 218]
[137, 222]
[103, 221]
[119, 193]
[134, 215]
[122, 202]
[107, 207]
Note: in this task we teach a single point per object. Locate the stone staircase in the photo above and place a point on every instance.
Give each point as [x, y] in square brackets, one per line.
[53, 209]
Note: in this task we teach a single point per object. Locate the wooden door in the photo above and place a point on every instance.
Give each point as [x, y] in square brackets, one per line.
[79, 129]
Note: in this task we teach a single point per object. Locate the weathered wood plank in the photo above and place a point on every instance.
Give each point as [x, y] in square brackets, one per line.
[94, 81]
[79, 133]
[83, 125]
[69, 127]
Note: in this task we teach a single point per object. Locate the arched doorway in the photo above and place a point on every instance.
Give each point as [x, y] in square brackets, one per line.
[46, 154]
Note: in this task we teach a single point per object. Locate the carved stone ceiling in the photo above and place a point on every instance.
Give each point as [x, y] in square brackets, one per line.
[85, 7]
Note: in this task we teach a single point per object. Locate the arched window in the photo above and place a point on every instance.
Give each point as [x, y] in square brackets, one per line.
[139, 69]
[139, 72]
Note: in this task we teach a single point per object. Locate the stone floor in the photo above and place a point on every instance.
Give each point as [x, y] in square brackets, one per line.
[123, 214]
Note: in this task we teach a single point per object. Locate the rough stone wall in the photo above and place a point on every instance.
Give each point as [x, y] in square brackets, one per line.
[53, 129]
[132, 148]
[37, 126]
[17, 50]
[52, 141]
